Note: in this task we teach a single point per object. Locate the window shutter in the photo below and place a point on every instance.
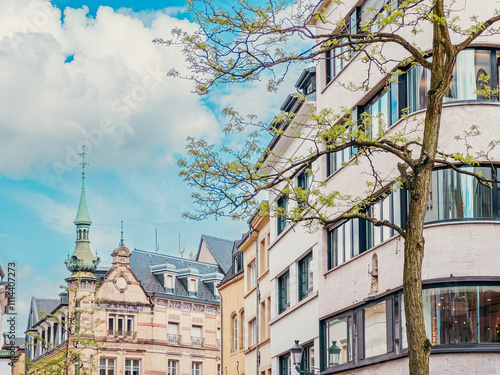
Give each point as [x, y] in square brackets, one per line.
[360, 328]
[389, 326]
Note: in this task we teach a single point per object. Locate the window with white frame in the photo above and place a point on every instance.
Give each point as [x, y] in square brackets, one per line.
[253, 332]
[252, 275]
[169, 281]
[172, 367]
[235, 333]
[305, 276]
[173, 333]
[120, 326]
[132, 367]
[196, 335]
[107, 366]
[196, 368]
[283, 292]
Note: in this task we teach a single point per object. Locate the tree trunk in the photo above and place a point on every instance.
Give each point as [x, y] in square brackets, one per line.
[418, 185]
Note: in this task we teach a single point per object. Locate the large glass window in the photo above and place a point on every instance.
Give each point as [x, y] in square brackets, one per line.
[338, 335]
[459, 196]
[375, 329]
[475, 72]
[356, 236]
[453, 196]
[460, 315]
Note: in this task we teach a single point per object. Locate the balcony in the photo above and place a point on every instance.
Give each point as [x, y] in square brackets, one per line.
[218, 343]
[122, 334]
[173, 339]
[197, 341]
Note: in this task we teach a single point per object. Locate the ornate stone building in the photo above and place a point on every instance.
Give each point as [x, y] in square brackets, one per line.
[149, 313]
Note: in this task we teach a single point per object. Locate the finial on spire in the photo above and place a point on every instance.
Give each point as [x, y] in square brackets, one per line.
[122, 243]
[83, 164]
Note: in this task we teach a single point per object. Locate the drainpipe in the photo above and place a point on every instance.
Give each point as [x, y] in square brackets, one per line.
[221, 335]
[257, 306]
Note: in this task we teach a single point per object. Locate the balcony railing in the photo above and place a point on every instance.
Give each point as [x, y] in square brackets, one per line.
[173, 339]
[122, 334]
[218, 343]
[196, 341]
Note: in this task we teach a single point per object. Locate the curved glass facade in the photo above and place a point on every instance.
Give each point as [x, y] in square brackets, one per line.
[457, 317]
[460, 315]
[453, 196]
[459, 196]
[475, 74]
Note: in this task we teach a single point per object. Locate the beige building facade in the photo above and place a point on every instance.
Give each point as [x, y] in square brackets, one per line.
[246, 301]
[232, 316]
[147, 314]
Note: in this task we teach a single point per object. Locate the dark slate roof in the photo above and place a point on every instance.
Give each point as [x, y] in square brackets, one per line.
[101, 272]
[46, 305]
[141, 261]
[17, 342]
[230, 275]
[220, 249]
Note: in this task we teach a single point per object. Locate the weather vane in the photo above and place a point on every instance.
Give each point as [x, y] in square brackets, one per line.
[83, 164]
[122, 242]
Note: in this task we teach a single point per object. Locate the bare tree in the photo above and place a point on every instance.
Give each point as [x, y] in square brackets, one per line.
[246, 43]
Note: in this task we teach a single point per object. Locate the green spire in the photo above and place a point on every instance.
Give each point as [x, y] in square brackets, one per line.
[82, 216]
[82, 259]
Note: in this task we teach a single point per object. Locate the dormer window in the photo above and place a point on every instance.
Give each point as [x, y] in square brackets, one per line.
[193, 286]
[169, 282]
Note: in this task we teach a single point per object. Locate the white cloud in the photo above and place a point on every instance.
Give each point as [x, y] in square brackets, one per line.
[114, 95]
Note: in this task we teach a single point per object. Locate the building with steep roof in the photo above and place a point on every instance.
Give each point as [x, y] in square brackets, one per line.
[216, 251]
[232, 316]
[148, 313]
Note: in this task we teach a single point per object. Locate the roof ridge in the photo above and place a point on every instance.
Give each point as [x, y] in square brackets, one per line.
[219, 238]
[176, 257]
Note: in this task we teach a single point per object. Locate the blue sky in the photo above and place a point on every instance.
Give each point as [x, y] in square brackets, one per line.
[135, 5]
[92, 77]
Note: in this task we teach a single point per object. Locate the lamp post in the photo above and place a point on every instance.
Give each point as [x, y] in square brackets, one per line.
[296, 352]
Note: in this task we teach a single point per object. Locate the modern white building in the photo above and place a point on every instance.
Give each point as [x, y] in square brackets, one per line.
[293, 252]
[352, 316]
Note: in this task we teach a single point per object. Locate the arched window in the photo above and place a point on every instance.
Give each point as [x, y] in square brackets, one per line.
[235, 332]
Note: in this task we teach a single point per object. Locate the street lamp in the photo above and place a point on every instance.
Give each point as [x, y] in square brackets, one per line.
[296, 352]
[333, 354]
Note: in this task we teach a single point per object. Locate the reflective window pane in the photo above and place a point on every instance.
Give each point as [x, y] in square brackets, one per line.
[375, 330]
[339, 341]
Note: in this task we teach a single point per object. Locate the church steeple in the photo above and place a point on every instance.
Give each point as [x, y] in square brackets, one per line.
[82, 259]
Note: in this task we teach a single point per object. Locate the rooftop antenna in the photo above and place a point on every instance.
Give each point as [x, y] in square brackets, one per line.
[181, 252]
[122, 243]
[157, 245]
